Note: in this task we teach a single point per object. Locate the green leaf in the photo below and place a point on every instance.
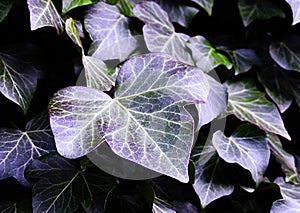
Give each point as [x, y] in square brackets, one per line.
[247, 146]
[18, 80]
[5, 6]
[207, 5]
[294, 4]
[145, 122]
[247, 103]
[126, 7]
[73, 32]
[205, 56]
[286, 160]
[62, 186]
[159, 32]
[243, 60]
[68, 5]
[251, 10]
[210, 181]
[43, 13]
[287, 53]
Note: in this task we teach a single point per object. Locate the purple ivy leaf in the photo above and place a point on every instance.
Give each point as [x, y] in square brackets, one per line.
[110, 33]
[159, 33]
[19, 148]
[18, 80]
[43, 13]
[145, 122]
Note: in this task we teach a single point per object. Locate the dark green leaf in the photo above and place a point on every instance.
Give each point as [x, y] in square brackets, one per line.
[68, 5]
[5, 6]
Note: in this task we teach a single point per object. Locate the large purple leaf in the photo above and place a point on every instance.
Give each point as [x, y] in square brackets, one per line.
[159, 33]
[110, 33]
[43, 13]
[18, 80]
[146, 121]
[19, 148]
[249, 104]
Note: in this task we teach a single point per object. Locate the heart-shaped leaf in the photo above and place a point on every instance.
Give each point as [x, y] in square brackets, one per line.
[249, 104]
[251, 10]
[247, 146]
[295, 6]
[145, 122]
[18, 80]
[59, 181]
[159, 33]
[18, 148]
[5, 6]
[43, 13]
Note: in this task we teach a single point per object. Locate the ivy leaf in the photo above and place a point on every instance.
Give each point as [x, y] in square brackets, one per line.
[215, 104]
[177, 11]
[68, 5]
[59, 181]
[295, 6]
[243, 60]
[286, 160]
[159, 33]
[161, 207]
[286, 53]
[210, 183]
[5, 6]
[19, 148]
[285, 206]
[207, 5]
[251, 10]
[247, 103]
[277, 85]
[205, 56]
[97, 74]
[247, 146]
[145, 122]
[109, 31]
[43, 13]
[18, 80]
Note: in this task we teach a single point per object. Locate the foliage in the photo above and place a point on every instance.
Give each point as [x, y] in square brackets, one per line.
[160, 77]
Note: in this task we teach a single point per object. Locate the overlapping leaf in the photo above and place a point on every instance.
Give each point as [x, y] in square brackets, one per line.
[210, 183]
[97, 74]
[295, 6]
[207, 5]
[247, 146]
[160, 207]
[18, 80]
[43, 13]
[68, 5]
[249, 104]
[205, 56]
[145, 122]
[5, 6]
[287, 53]
[62, 185]
[18, 148]
[251, 10]
[109, 31]
[159, 33]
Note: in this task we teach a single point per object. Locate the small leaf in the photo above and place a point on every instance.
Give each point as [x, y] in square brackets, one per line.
[145, 122]
[58, 184]
[18, 80]
[109, 31]
[43, 13]
[18, 148]
[286, 160]
[243, 60]
[73, 32]
[205, 56]
[247, 103]
[68, 5]
[207, 5]
[251, 10]
[286, 53]
[295, 6]
[159, 33]
[247, 146]
[5, 6]
[210, 183]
